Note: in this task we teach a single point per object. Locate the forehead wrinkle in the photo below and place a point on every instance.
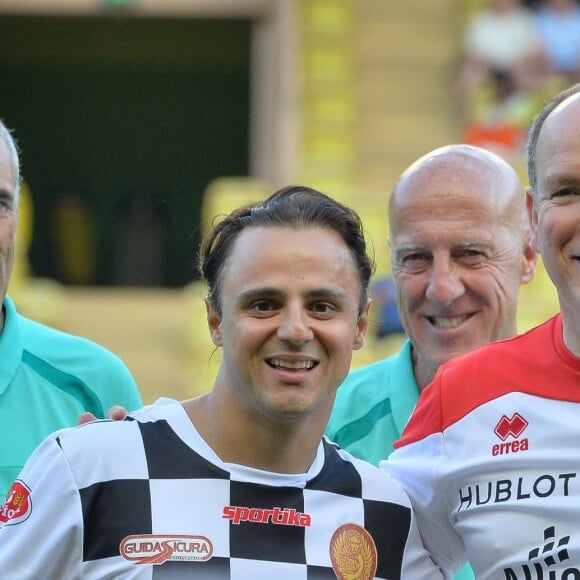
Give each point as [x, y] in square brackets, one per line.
[465, 221]
[463, 244]
[563, 165]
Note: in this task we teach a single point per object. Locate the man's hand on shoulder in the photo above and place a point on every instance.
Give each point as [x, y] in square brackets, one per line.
[116, 413]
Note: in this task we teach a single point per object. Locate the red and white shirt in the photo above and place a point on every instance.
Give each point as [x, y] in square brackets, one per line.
[491, 460]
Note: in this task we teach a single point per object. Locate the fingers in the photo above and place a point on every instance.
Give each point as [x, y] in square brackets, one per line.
[117, 413]
[86, 417]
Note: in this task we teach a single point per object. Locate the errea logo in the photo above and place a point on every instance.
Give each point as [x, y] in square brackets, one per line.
[509, 429]
[514, 426]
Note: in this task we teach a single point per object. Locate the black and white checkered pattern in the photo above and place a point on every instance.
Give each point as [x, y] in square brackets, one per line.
[153, 476]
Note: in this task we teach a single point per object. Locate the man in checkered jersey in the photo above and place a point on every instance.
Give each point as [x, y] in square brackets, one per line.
[238, 483]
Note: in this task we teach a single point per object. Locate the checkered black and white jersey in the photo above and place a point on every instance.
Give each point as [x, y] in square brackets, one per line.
[147, 498]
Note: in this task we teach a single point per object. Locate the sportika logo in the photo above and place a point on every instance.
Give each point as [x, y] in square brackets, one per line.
[277, 515]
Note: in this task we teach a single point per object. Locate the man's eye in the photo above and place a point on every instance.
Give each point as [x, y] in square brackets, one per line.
[262, 306]
[415, 257]
[414, 261]
[565, 192]
[472, 256]
[323, 308]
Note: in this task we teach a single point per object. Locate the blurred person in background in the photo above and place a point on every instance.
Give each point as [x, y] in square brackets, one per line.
[502, 38]
[559, 26]
[47, 377]
[499, 123]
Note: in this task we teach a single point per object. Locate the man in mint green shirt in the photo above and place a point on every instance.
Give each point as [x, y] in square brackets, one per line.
[47, 378]
[459, 239]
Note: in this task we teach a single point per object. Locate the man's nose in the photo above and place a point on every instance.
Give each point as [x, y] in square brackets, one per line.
[444, 285]
[294, 326]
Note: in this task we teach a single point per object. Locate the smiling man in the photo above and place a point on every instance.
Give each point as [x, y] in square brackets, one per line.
[238, 483]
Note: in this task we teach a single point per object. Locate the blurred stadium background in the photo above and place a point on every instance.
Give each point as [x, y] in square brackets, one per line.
[139, 120]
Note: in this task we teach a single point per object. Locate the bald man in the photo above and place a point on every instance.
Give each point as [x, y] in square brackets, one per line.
[460, 249]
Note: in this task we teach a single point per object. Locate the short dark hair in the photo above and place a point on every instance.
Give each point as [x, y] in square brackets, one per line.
[535, 129]
[295, 206]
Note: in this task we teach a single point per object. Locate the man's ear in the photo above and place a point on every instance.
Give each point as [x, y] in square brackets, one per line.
[362, 327]
[214, 323]
[533, 219]
[529, 263]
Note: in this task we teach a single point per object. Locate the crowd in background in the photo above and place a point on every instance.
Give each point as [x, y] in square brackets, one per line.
[514, 55]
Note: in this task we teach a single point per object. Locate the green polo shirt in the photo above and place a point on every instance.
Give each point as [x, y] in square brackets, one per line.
[47, 379]
[372, 407]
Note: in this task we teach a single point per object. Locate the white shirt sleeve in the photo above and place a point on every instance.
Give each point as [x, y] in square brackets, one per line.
[417, 562]
[415, 467]
[41, 520]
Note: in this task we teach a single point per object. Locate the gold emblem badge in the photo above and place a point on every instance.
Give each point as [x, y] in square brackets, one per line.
[353, 553]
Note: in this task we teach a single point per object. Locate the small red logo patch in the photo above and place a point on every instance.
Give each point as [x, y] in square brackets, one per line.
[513, 426]
[17, 506]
